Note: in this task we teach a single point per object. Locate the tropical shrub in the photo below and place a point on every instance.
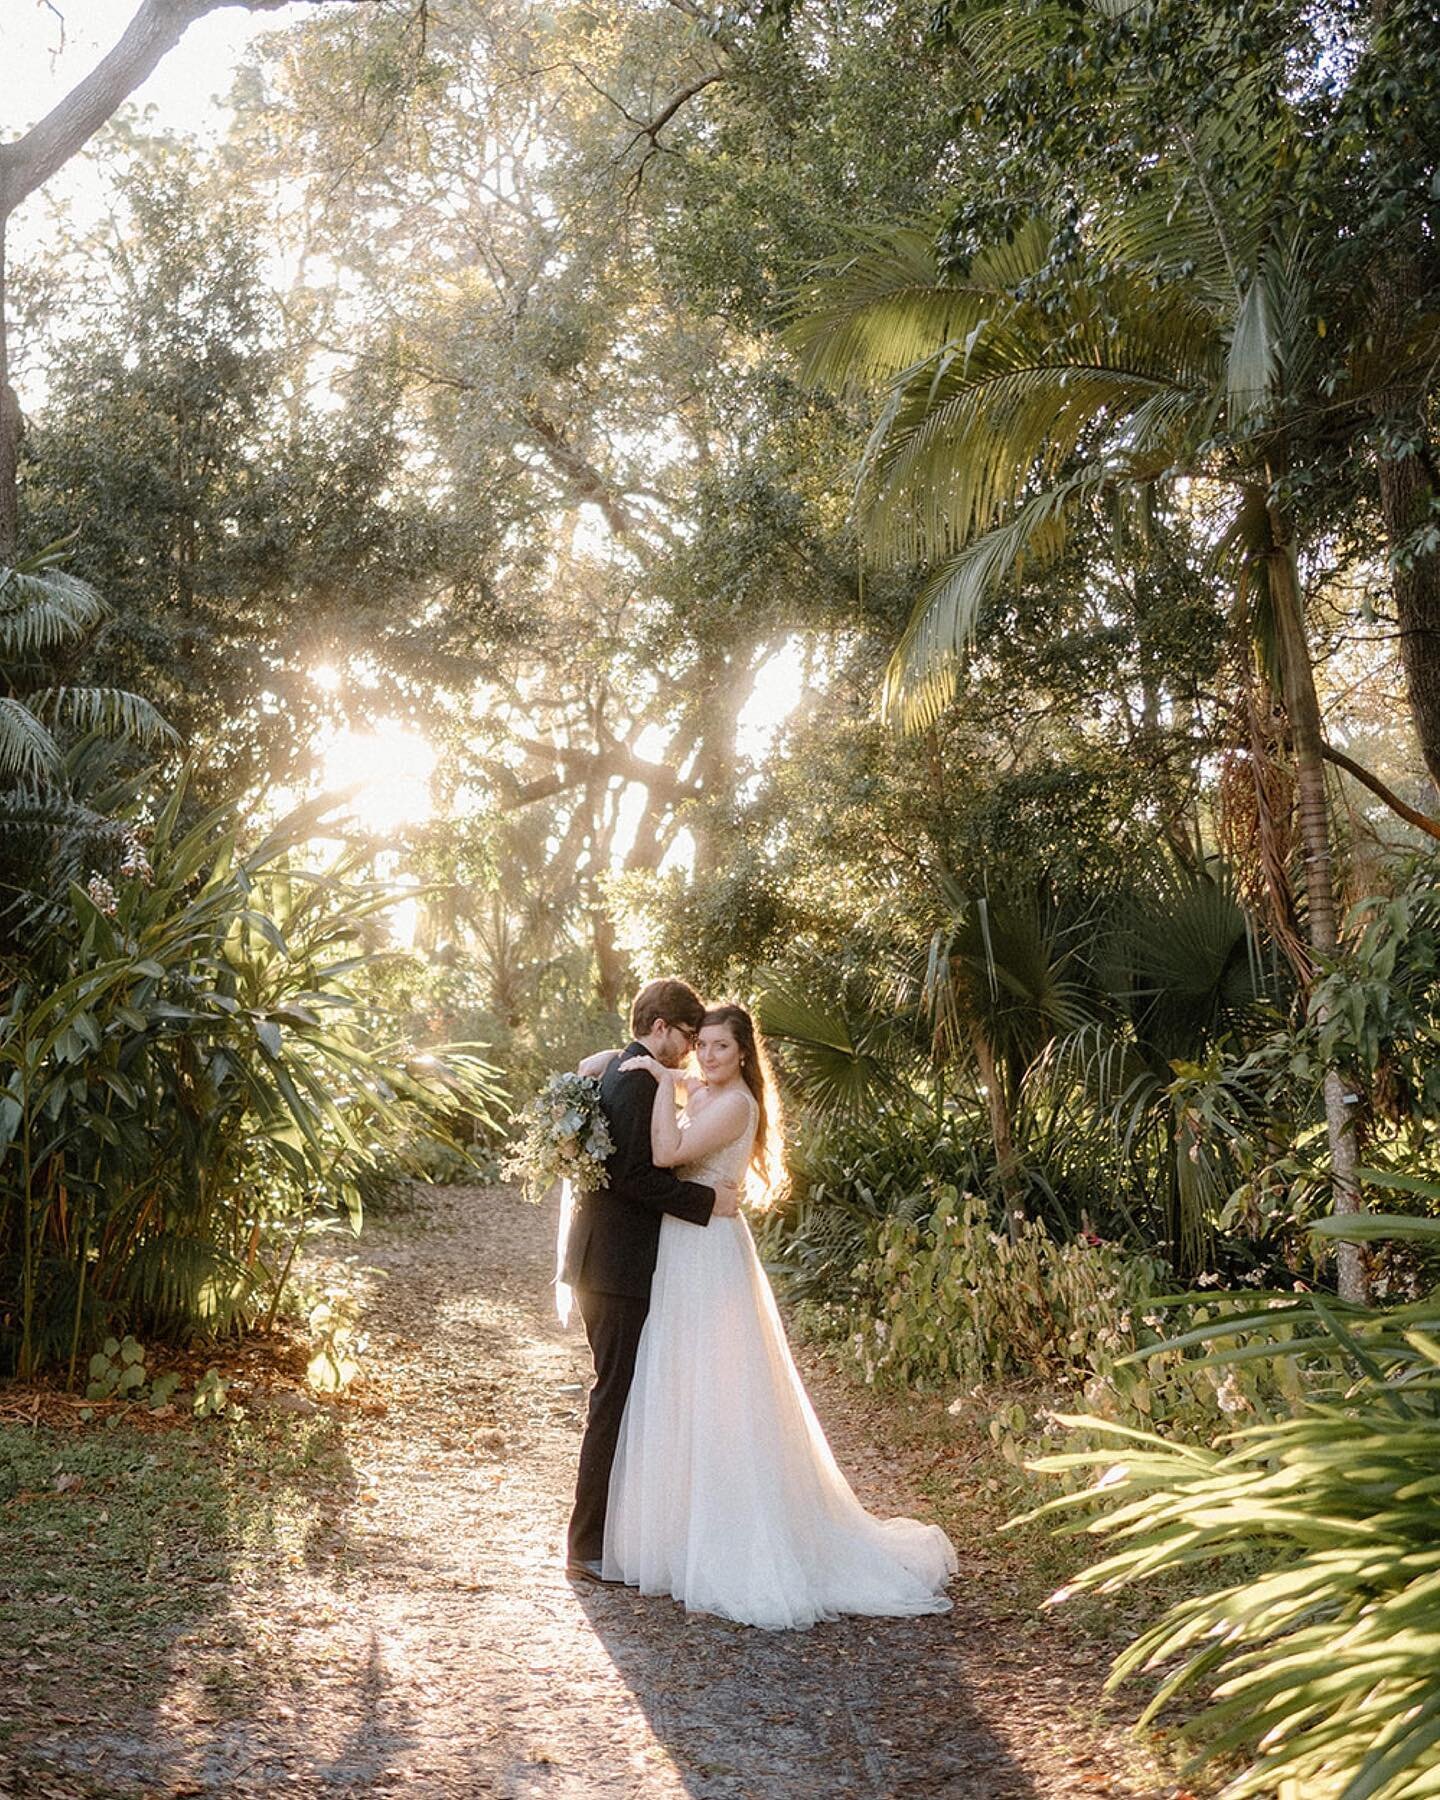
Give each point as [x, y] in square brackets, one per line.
[952, 1299]
[1116, 1064]
[188, 1082]
[846, 1179]
[1319, 1665]
[937, 1296]
[56, 744]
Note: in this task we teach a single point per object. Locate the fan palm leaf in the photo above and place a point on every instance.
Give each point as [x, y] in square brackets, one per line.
[1003, 963]
[843, 1058]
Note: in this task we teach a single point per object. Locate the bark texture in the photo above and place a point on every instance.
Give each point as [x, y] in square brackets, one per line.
[1303, 707]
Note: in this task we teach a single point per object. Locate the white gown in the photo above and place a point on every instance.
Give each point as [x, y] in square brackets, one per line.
[724, 1492]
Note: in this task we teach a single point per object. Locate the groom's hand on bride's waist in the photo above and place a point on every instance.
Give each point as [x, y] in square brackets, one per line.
[727, 1200]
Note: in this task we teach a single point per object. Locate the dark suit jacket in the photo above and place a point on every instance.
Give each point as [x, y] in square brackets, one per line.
[615, 1231]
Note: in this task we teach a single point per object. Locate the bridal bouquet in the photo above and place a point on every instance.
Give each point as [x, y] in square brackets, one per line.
[565, 1138]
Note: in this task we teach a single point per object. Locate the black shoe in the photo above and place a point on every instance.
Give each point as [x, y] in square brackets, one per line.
[587, 1571]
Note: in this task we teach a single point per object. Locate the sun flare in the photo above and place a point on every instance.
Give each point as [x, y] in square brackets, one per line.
[390, 768]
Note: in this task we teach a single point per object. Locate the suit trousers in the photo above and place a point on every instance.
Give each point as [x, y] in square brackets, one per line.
[613, 1323]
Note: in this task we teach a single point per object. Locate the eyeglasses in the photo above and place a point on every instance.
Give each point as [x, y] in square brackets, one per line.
[690, 1034]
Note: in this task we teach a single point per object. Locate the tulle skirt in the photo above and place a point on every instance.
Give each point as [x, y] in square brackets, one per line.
[724, 1493]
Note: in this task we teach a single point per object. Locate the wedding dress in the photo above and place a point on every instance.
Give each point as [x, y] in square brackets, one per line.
[724, 1492]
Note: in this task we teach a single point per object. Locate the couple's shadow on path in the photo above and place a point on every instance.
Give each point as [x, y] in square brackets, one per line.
[862, 1709]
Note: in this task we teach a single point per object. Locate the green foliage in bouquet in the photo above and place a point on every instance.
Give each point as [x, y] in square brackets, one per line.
[564, 1137]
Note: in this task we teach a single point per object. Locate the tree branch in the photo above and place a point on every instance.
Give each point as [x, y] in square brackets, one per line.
[586, 481]
[576, 766]
[154, 30]
[1421, 821]
[652, 128]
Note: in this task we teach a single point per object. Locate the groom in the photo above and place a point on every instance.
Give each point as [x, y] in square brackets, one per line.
[614, 1241]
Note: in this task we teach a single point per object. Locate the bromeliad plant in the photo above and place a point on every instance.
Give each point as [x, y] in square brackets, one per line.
[188, 1081]
[1320, 1665]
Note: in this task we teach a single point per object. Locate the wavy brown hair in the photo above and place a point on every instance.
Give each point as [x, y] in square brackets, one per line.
[767, 1159]
[676, 1002]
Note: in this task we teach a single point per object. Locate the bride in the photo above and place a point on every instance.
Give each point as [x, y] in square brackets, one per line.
[724, 1492]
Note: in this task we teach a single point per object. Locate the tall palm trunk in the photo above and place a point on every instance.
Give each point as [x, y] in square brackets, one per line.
[1007, 1164]
[9, 429]
[1303, 707]
[1408, 478]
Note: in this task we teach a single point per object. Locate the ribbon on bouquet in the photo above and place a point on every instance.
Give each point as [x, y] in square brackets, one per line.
[564, 1296]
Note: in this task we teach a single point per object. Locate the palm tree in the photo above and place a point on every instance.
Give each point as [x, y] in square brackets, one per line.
[50, 776]
[1181, 356]
[1181, 984]
[44, 610]
[1001, 983]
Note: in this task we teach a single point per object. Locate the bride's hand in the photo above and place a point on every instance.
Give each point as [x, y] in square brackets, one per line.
[657, 1069]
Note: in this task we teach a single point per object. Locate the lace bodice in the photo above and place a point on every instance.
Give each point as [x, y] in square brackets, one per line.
[728, 1162]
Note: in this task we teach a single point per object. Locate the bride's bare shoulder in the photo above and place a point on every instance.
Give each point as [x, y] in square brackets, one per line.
[731, 1103]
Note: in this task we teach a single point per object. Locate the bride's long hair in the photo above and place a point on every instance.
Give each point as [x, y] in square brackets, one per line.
[767, 1159]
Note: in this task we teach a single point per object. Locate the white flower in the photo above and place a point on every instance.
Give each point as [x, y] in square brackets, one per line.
[135, 861]
[1228, 1396]
[102, 895]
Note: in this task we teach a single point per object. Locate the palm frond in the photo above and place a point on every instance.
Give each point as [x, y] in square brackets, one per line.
[966, 433]
[1188, 946]
[111, 711]
[43, 609]
[1004, 962]
[920, 681]
[27, 750]
[887, 308]
[839, 1061]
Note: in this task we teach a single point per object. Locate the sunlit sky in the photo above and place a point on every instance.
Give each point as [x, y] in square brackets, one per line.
[37, 69]
[39, 64]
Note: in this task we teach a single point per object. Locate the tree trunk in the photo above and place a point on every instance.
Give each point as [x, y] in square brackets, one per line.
[1407, 488]
[9, 429]
[1007, 1164]
[613, 975]
[1409, 483]
[1303, 707]
[731, 683]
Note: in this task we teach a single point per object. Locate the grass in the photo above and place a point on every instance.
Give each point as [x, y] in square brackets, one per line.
[121, 1539]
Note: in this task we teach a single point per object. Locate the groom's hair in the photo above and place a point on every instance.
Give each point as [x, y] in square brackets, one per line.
[676, 1002]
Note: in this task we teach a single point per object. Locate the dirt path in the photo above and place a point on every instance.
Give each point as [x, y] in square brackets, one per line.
[425, 1640]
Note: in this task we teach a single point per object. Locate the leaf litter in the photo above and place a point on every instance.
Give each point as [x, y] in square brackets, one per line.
[392, 1614]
